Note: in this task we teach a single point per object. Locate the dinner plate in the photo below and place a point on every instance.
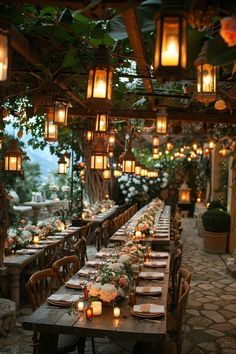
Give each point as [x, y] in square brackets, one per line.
[76, 284]
[36, 246]
[146, 315]
[157, 290]
[154, 254]
[26, 251]
[153, 264]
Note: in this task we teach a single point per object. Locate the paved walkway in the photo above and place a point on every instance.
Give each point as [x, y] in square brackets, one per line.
[210, 326]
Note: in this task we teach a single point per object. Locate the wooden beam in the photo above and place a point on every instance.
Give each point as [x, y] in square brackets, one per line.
[135, 38]
[74, 4]
[225, 118]
[22, 46]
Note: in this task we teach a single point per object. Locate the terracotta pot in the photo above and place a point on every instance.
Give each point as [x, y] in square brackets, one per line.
[215, 242]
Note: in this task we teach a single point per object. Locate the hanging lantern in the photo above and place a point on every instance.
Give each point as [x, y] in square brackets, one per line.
[155, 141]
[211, 144]
[129, 160]
[144, 171]
[4, 51]
[106, 174]
[117, 173]
[206, 150]
[110, 154]
[62, 165]
[67, 158]
[51, 129]
[170, 58]
[99, 156]
[224, 151]
[161, 121]
[89, 135]
[194, 145]
[155, 156]
[99, 88]
[101, 123]
[169, 145]
[138, 170]
[184, 194]
[60, 113]
[155, 150]
[13, 158]
[206, 78]
[111, 139]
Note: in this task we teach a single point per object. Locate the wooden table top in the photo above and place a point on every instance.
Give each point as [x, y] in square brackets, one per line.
[101, 217]
[50, 319]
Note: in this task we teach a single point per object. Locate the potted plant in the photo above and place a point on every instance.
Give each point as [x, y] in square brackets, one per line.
[216, 223]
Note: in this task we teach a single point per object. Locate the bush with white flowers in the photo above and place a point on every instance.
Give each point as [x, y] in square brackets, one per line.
[135, 188]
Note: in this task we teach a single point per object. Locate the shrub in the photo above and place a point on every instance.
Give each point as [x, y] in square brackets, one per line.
[216, 220]
[217, 204]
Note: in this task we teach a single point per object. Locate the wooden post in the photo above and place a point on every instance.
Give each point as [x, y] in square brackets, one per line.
[231, 205]
[216, 160]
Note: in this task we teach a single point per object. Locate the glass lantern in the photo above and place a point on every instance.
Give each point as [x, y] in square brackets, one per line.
[13, 158]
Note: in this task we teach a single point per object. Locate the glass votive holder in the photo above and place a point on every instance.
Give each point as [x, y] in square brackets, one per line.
[36, 239]
[89, 312]
[80, 306]
[97, 308]
[116, 312]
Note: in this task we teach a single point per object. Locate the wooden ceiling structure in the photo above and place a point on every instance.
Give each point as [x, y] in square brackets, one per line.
[128, 11]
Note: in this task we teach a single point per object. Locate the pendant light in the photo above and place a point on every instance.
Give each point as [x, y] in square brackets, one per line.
[155, 141]
[161, 121]
[106, 174]
[138, 169]
[60, 113]
[101, 125]
[206, 78]
[89, 135]
[169, 145]
[211, 144]
[51, 129]
[62, 165]
[129, 161]
[111, 139]
[170, 55]
[99, 158]
[99, 88]
[4, 50]
[13, 158]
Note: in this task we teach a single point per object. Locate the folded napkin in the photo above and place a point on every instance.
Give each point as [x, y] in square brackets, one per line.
[76, 283]
[103, 254]
[86, 272]
[73, 228]
[35, 246]
[151, 275]
[95, 263]
[26, 251]
[154, 254]
[152, 290]
[63, 298]
[149, 309]
[161, 234]
[45, 242]
[155, 264]
[55, 237]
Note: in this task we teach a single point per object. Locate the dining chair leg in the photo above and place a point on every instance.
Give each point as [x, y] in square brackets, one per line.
[81, 346]
[93, 345]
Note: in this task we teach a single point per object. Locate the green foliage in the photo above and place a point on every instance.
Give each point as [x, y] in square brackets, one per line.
[217, 204]
[30, 183]
[216, 220]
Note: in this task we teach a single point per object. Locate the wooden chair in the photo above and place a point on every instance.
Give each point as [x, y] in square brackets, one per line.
[65, 268]
[175, 266]
[171, 344]
[39, 287]
[106, 232]
[98, 238]
[183, 275]
[81, 252]
[50, 255]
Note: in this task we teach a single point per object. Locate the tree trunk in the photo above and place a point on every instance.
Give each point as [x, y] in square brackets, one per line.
[4, 221]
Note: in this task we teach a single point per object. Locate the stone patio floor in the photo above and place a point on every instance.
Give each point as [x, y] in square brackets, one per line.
[210, 324]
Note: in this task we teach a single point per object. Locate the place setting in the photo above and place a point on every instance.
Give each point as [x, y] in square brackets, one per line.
[148, 310]
[63, 300]
[155, 264]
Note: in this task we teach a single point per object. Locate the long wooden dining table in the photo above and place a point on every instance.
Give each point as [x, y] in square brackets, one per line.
[50, 321]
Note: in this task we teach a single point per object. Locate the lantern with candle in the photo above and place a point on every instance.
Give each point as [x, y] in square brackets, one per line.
[99, 88]
[206, 78]
[62, 165]
[161, 121]
[4, 50]
[99, 158]
[51, 129]
[89, 312]
[170, 58]
[97, 308]
[13, 158]
[60, 113]
[184, 194]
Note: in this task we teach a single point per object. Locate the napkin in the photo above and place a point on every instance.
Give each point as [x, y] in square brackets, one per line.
[149, 309]
[35, 246]
[73, 228]
[155, 264]
[76, 283]
[152, 290]
[86, 272]
[95, 263]
[45, 242]
[154, 254]
[151, 275]
[27, 251]
[64, 298]
[102, 254]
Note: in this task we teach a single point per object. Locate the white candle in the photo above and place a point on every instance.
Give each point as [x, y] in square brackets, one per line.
[116, 312]
[97, 308]
[80, 306]
[138, 234]
[36, 239]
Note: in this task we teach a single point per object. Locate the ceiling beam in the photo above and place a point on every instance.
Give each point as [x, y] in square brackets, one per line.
[22, 46]
[132, 26]
[225, 118]
[74, 4]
